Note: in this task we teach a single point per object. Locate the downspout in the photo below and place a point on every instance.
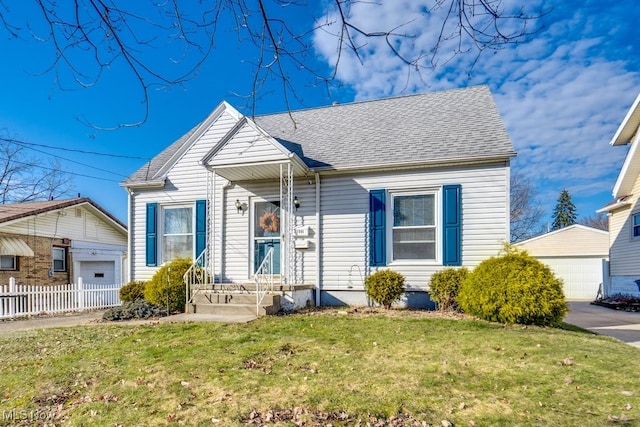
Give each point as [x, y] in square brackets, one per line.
[222, 234]
[318, 243]
[129, 240]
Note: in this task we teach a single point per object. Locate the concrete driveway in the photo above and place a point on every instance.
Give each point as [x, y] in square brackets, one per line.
[622, 325]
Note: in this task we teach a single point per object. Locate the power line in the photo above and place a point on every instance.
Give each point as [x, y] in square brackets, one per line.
[121, 156]
[76, 162]
[25, 145]
[63, 171]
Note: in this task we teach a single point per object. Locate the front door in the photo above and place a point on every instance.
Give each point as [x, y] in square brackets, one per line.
[266, 233]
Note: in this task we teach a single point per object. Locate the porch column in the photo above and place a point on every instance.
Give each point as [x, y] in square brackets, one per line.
[287, 254]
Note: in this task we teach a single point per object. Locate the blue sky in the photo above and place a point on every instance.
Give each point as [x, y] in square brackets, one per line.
[562, 94]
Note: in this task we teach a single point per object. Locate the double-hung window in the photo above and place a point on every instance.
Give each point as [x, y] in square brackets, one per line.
[177, 232]
[635, 232]
[414, 226]
[59, 259]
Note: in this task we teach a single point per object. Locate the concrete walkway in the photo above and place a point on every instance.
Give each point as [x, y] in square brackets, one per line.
[622, 325]
[95, 318]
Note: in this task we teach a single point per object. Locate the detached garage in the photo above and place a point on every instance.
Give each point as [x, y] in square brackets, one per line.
[576, 255]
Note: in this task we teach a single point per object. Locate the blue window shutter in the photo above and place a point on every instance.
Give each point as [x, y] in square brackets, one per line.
[152, 234]
[452, 227]
[201, 226]
[377, 228]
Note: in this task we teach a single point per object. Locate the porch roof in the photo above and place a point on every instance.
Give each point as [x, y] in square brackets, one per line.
[233, 162]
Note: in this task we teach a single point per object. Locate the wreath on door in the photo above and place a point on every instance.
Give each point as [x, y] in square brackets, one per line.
[269, 221]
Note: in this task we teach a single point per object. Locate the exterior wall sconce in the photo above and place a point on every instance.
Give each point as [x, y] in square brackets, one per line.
[239, 206]
[296, 202]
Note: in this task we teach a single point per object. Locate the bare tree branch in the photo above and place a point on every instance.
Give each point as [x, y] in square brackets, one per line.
[91, 37]
[24, 178]
[526, 212]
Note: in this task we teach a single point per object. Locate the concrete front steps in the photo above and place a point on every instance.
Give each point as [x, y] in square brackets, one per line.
[232, 303]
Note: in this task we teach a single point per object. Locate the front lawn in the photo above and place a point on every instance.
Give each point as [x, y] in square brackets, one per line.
[329, 367]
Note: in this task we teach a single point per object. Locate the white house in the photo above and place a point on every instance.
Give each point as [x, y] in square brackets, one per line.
[576, 255]
[623, 276]
[57, 241]
[413, 183]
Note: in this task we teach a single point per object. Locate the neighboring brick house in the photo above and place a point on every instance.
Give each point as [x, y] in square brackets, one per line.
[58, 241]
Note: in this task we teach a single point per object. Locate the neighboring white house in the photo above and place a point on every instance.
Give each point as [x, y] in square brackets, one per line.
[624, 211]
[413, 183]
[56, 241]
[576, 255]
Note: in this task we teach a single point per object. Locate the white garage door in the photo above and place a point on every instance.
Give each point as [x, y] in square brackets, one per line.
[581, 276]
[98, 272]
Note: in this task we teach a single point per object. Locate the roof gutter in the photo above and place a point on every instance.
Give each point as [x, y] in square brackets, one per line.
[463, 161]
[145, 184]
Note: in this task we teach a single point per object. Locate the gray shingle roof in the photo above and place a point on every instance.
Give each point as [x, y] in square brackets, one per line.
[453, 125]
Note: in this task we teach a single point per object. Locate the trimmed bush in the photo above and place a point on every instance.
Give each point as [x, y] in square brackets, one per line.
[513, 288]
[166, 287]
[132, 291]
[136, 309]
[445, 285]
[385, 287]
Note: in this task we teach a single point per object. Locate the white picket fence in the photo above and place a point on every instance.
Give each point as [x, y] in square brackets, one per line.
[30, 300]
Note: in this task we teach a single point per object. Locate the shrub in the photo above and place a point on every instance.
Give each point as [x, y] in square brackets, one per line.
[385, 287]
[167, 288]
[136, 309]
[513, 288]
[445, 285]
[132, 291]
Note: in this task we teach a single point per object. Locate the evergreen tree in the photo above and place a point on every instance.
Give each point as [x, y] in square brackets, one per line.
[564, 214]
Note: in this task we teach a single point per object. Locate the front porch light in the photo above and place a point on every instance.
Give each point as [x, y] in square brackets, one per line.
[239, 206]
[296, 202]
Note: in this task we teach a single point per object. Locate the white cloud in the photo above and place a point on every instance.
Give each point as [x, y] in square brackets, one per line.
[562, 95]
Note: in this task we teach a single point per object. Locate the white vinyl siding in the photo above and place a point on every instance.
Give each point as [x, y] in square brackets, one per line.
[65, 224]
[247, 146]
[624, 248]
[237, 259]
[344, 212]
[186, 182]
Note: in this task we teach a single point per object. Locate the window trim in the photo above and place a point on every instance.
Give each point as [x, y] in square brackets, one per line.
[161, 226]
[15, 263]
[635, 217]
[54, 259]
[437, 226]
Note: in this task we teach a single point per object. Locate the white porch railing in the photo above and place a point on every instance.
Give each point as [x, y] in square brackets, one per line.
[197, 277]
[264, 279]
[28, 300]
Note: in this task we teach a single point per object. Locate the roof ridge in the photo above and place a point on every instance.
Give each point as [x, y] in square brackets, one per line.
[364, 101]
